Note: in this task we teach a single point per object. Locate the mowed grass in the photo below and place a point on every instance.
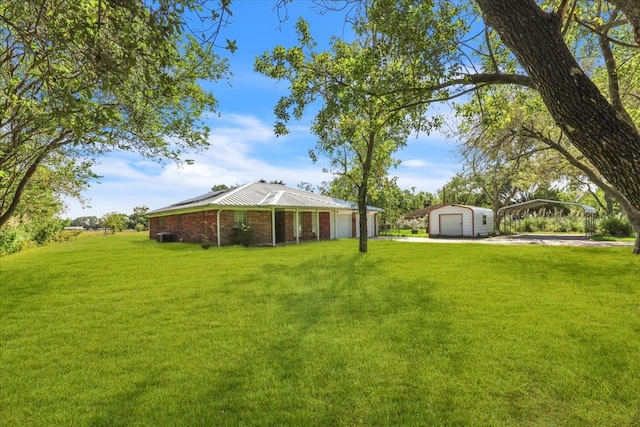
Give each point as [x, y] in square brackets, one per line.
[123, 331]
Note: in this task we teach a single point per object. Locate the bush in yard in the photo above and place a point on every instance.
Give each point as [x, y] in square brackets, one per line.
[243, 235]
[556, 224]
[46, 230]
[616, 226]
[10, 240]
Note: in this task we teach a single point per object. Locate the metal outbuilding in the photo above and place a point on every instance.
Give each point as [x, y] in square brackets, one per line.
[453, 220]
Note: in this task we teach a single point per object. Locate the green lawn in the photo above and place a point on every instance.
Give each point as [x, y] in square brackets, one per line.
[123, 331]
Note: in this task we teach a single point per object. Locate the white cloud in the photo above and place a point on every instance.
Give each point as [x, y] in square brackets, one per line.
[242, 149]
[240, 128]
[239, 146]
[415, 163]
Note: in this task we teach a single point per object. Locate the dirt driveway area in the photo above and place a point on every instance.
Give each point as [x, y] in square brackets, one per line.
[519, 239]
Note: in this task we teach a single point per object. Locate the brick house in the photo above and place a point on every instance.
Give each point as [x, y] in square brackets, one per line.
[274, 214]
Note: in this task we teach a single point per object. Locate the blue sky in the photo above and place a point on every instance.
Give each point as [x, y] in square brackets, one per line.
[243, 146]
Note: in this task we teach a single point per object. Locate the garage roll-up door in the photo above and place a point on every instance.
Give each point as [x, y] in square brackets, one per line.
[451, 225]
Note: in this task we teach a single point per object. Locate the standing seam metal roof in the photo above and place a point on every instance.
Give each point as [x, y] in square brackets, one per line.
[259, 194]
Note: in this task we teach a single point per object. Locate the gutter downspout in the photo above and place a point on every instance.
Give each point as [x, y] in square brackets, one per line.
[297, 222]
[273, 226]
[317, 224]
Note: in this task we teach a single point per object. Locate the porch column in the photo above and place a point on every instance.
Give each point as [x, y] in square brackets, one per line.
[317, 224]
[218, 226]
[297, 227]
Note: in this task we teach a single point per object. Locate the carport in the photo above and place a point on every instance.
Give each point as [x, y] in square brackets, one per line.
[512, 214]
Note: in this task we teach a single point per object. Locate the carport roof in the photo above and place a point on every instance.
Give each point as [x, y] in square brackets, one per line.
[532, 204]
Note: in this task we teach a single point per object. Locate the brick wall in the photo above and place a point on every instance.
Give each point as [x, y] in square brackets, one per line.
[161, 224]
[153, 227]
[325, 226]
[289, 225]
[197, 227]
[260, 223]
[193, 227]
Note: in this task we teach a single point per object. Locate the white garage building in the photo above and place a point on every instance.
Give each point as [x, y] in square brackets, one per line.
[453, 220]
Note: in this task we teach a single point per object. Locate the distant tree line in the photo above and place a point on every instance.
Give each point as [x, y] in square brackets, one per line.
[42, 226]
[114, 221]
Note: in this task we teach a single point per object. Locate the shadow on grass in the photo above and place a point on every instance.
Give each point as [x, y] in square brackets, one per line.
[345, 330]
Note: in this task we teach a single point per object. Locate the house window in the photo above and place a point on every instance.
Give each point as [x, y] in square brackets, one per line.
[162, 222]
[240, 219]
[484, 220]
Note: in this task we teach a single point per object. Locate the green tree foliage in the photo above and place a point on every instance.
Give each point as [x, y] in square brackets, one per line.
[35, 222]
[305, 186]
[397, 202]
[219, 187]
[464, 190]
[364, 120]
[616, 226]
[277, 182]
[82, 78]
[138, 220]
[114, 221]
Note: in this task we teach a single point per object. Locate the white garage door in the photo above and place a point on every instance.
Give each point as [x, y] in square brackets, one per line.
[451, 225]
[343, 226]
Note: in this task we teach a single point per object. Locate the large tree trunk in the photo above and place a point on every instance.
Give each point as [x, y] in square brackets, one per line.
[591, 123]
[362, 224]
[363, 191]
[634, 219]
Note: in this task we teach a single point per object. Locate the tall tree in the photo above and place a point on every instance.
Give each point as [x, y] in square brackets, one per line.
[82, 78]
[364, 120]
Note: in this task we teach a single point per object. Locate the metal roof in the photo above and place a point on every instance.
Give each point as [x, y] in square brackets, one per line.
[532, 204]
[472, 208]
[261, 195]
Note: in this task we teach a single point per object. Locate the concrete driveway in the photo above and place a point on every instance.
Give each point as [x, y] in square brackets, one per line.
[519, 239]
